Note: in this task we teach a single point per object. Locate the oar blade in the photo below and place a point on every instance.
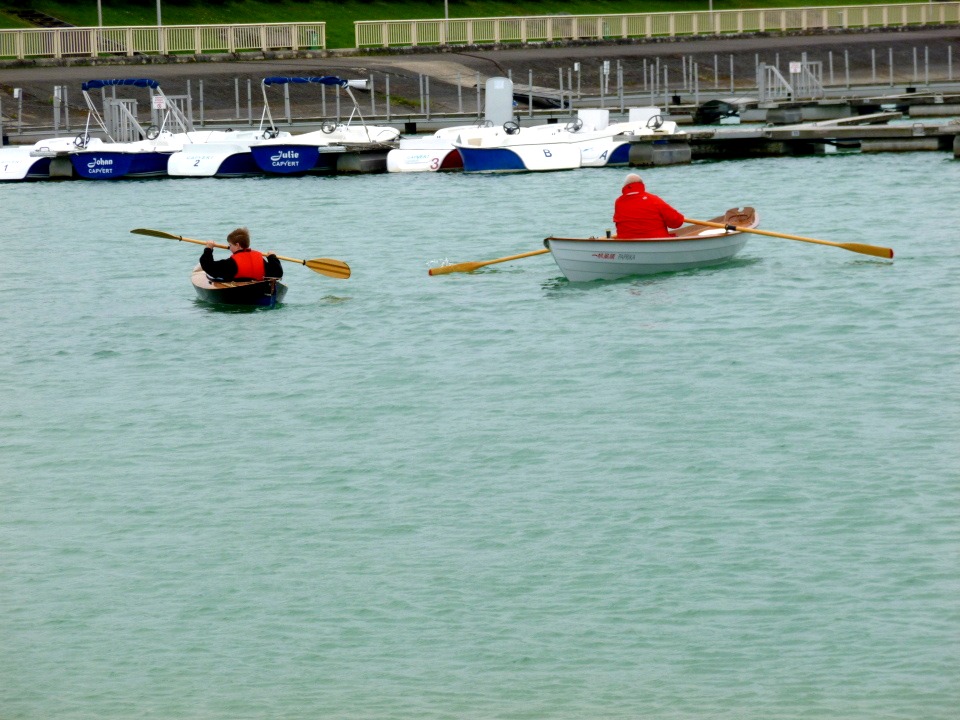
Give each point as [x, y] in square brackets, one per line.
[459, 267]
[329, 267]
[874, 250]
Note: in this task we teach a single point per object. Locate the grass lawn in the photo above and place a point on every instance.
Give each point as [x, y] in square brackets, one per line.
[339, 16]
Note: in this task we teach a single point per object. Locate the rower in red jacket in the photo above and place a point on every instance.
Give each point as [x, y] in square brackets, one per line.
[244, 263]
[640, 214]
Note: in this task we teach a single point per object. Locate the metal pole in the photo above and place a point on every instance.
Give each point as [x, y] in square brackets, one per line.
[731, 74]
[236, 94]
[846, 66]
[323, 100]
[420, 81]
[873, 65]
[201, 101]
[716, 73]
[250, 102]
[479, 110]
[915, 75]
[387, 85]
[530, 91]
[620, 83]
[373, 98]
[286, 102]
[601, 87]
[426, 89]
[459, 94]
[337, 97]
[66, 108]
[830, 59]
[926, 65]
[890, 56]
[666, 89]
[950, 63]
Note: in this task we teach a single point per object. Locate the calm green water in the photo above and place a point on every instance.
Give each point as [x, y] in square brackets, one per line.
[727, 493]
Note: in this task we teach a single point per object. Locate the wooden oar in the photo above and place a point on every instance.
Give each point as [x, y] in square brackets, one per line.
[325, 266]
[852, 247]
[471, 266]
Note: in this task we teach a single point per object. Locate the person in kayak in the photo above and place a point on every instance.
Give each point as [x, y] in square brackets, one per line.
[244, 263]
[641, 214]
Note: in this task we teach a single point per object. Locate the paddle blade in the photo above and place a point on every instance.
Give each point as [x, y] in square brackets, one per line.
[155, 233]
[329, 267]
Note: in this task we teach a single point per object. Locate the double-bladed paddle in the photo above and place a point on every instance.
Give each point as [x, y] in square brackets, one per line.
[471, 266]
[325, 266]
[852, 247]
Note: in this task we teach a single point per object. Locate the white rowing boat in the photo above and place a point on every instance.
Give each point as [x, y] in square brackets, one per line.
[692, 246]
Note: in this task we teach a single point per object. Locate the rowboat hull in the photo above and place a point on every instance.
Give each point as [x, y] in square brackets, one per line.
[255, 293]
[694, 246]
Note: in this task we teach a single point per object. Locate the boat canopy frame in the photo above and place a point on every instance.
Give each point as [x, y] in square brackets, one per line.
[172, 114]
[331, 80]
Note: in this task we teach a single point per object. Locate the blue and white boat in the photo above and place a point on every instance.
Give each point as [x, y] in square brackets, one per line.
[585, 141]
[146, 157]
[219, 153]
[318, 151]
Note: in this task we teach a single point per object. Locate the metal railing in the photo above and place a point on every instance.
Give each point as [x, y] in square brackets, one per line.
[552, 28]
[160, 40]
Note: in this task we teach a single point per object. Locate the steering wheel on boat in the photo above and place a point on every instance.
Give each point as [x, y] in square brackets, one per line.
[655, 122]
[511, 128]
[328, 127]
[152, 132]
[574, 125]
[270, 133]
[81, 140]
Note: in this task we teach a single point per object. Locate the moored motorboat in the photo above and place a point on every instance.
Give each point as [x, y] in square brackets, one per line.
[318, 151]
[18, 163]
[218, 153]
[432, 153]
[588, 140]
[691, 246]
[258, 293]
[145, 157]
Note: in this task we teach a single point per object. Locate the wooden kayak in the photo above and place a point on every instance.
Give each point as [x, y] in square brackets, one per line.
[691, 246]
[261, 293]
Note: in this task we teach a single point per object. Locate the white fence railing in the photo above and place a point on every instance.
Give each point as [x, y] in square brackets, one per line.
[547, 28]
[162, 40]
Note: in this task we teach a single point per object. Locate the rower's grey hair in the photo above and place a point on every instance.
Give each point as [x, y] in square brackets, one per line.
[631, 178]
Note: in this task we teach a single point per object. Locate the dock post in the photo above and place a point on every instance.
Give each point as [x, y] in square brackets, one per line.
[956, 146]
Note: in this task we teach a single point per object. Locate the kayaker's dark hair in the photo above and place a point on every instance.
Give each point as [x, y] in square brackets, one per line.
[241, 237]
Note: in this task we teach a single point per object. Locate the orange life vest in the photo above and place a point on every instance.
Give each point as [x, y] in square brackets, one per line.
[249, 265]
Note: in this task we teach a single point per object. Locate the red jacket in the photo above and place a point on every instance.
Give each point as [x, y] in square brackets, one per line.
[639, 214]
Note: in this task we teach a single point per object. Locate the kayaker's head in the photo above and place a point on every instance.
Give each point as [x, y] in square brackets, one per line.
[239, 239]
